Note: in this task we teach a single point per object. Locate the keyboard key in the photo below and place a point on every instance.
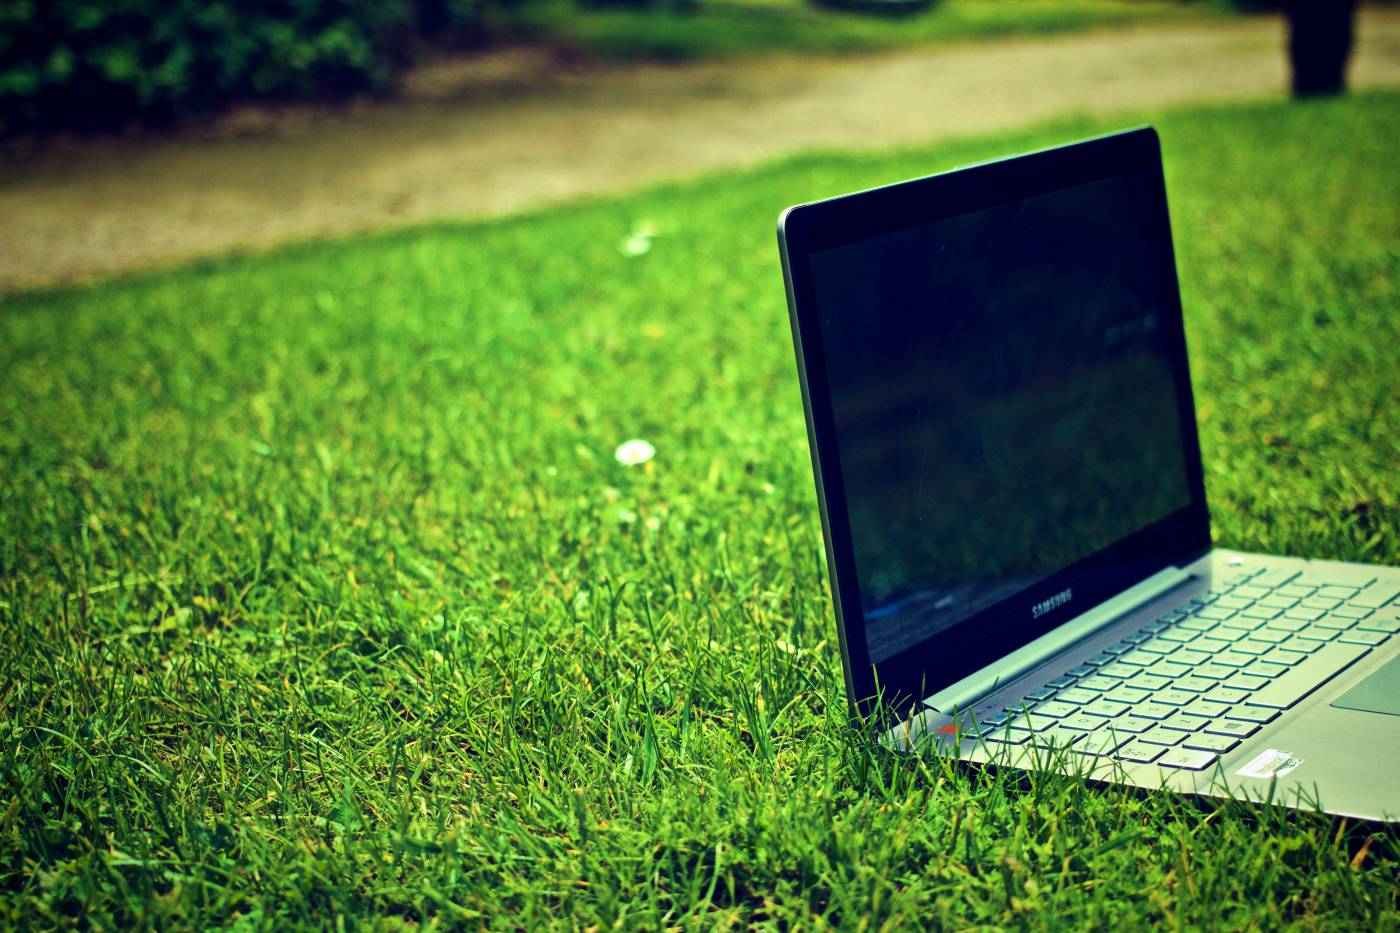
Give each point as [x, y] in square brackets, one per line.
[1146, 681]
[1029, 723]
[1337, 592]
[1187, 759]
[1273, 636]
[1311, 579]
[1379, 625]
[1248, 713]
[1059, 683]
[1213, 671]
[1217, 613]
[1159, 735]
[1293, 589]
[1141, 752]
[1228, 695]
[1055, 708]
[1304, 613]
[1335, 622]
[1187, 656]
[1139, 658]
[1363, 638]
[1320, 602]
[1250, 592]
[1287, 689]
[1350, 612]
[1056, 738]
[1171, 670]
[1283, 625]
[1153, 710]
[1182, 636]
[1265, 669]
[1185, 723]
[1007, 738]
[1120, 671]
[1276, 601]
[1234, 659]
[1043, 693]
[1173, 697]
[1376, 595]
[1318, 634]
[1196, 624]
[1160, 646]
[1212, 743]
[1077, 695]
[1196, 684]
[1127, 694]
[1083, 723]
[1279, 656]
[1100, 743]
[1300, 645]
[1206, 709]
[1260, 612]
[1082, 670]
[1105, 708]
[1275, 577]
[1097, 683]
[1243, 681]
[1131, 723]
[1252, 646]
[1236, 728]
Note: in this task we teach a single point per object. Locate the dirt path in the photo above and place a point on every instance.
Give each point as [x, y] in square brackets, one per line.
[494, 136]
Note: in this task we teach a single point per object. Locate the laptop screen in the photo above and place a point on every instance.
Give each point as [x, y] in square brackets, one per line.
[1005, 400]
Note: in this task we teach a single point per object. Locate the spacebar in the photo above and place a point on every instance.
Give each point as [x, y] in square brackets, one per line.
[1321, 666]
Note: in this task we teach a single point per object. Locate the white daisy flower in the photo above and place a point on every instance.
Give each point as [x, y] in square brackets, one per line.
[634, 452]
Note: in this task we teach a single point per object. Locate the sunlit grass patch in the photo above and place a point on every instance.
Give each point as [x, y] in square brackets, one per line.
[326, 588]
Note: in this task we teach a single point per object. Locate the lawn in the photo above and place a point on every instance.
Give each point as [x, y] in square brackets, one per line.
[325, 599]
[713, 28]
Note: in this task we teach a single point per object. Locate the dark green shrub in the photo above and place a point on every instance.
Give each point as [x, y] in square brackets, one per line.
[102, 63]
[458, 22]
[620, 4]
[877, 7]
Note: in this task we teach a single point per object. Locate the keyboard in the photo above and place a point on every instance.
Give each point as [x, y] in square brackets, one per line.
[1189, 687]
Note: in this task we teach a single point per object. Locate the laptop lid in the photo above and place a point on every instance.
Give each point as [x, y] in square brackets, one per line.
[999, 409]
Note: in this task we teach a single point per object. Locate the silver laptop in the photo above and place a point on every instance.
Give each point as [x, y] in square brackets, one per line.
[1001, 422]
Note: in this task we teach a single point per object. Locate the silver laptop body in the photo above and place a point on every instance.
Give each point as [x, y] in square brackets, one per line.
[1002, 429]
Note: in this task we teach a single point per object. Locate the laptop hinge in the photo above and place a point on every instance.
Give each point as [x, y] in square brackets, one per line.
[979, 684]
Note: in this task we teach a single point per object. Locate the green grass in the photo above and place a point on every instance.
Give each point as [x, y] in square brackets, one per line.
[717, 28]
[323, 597]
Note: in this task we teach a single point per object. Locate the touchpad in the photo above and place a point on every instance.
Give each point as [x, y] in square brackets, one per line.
[1379, 693]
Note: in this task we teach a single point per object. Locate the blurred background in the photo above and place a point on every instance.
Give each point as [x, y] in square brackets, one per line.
[136, 133]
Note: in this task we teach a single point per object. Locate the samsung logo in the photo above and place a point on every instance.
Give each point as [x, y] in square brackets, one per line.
[1052, 602]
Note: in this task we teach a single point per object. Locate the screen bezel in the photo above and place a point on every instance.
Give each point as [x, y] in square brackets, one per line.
[897, 683]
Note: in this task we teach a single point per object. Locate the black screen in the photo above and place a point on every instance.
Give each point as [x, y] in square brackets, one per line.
[1004, 399]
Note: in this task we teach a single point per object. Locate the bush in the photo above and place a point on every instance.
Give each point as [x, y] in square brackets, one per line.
[102, 63]
[877, 7]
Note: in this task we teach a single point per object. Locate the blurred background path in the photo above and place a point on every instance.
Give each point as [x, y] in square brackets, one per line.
[514, 130]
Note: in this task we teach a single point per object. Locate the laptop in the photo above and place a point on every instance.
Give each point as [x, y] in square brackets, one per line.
[994, 371]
